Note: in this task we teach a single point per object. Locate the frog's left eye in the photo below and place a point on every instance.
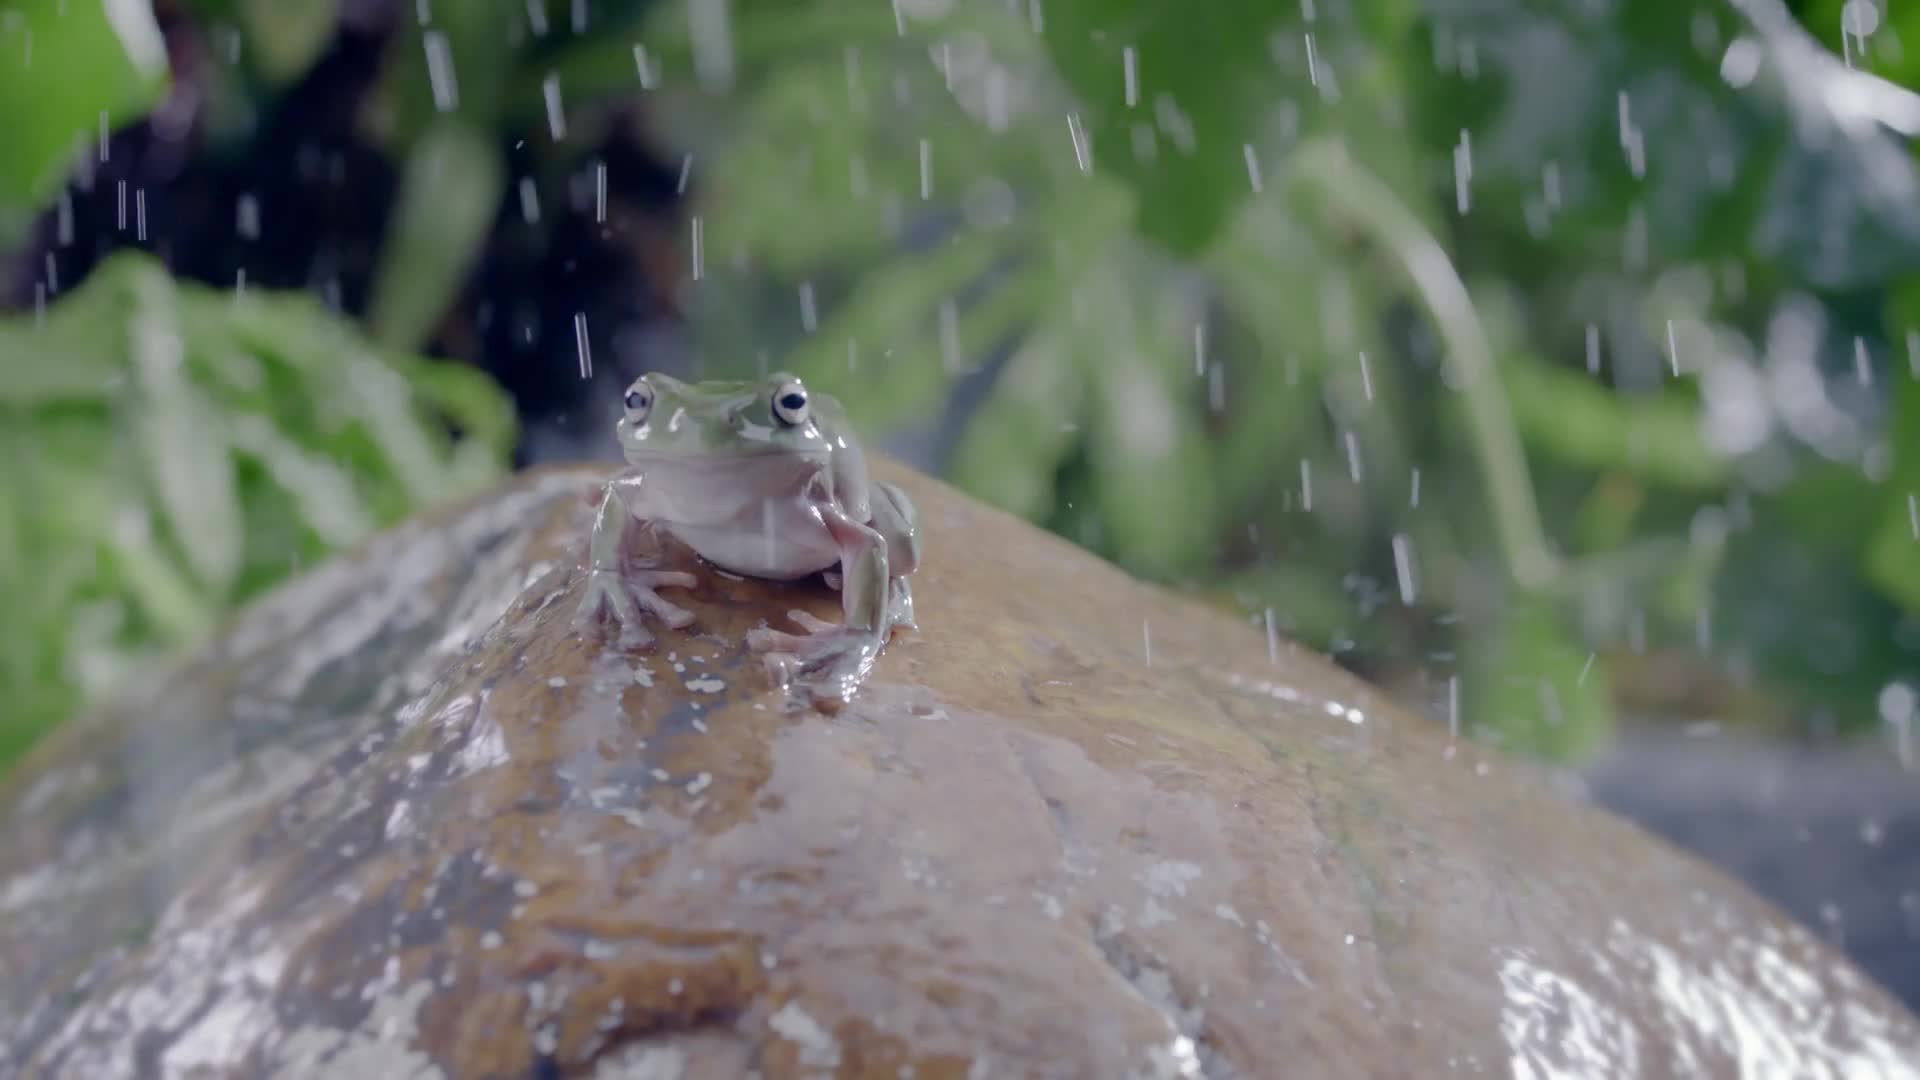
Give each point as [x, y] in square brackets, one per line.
[790, 403]
[639, 402]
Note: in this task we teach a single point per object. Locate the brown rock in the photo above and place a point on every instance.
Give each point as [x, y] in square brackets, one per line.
[402, 822]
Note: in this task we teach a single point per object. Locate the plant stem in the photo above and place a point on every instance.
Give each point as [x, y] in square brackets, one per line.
[1326, 171]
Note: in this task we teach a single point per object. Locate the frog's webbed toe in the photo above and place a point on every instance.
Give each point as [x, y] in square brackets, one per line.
[629, 596]
[829, 659]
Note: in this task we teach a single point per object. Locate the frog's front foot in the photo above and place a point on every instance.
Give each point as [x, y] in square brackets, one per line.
[627, 595]
[829, 660]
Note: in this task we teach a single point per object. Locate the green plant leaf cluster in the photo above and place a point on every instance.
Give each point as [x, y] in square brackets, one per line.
[172, 450]
[1474, 302]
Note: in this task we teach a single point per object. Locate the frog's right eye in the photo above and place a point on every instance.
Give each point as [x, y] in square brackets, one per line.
[639, 402]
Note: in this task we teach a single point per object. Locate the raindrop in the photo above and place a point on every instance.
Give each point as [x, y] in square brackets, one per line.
[643, 67]
[1413, 499]
[1463, 172]
[1673, 349]
[1741, 62]
[1199, 348]
[1306, 485]
[699, 255]
[1081, 154]
[1453, 707]
[926, 169]
[1862, 362]
[140, 214]
[1896, 711]
[103, 134]
[121, 187]
[581, 345]
[556, 118]
[246, 213]
[600, 191]
[1273, 639]
[1253, 166]
[1129, 63]
[1353, 455]
[1146, 640]
[446, 91]
[950, 357]
[686, 173]
[1366, 378]
[809, 318]
[1403, 568]
[713, 42]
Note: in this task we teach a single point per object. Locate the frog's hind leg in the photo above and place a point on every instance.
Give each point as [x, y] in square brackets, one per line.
[898, 523]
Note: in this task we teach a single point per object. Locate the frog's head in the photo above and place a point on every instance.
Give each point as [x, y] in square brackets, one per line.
[665, 419]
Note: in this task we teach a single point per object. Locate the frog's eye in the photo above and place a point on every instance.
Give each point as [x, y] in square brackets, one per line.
[639, 402]
[790, 403]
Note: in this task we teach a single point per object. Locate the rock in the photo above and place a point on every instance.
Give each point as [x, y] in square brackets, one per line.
[401, 821]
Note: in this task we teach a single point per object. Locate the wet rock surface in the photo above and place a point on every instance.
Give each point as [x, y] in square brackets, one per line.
[402, 821]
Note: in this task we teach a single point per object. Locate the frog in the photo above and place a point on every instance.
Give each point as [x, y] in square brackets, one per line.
[764, 478]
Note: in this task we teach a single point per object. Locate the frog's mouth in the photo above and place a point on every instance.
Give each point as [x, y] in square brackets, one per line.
[719, 459]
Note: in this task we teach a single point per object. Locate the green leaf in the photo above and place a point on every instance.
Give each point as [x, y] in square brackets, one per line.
[1148, 455]
[182, 442]
[285, 37]
[70, 71]
[1572, 417]
[1014, 445]
[449, 195]
[1528, 684]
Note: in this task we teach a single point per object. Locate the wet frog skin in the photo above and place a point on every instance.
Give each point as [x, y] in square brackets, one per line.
[763, 478]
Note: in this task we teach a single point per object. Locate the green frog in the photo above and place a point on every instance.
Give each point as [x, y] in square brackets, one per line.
[763, 478]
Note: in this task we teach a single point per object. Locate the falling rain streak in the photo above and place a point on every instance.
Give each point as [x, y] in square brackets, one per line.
[1081, 155]
[556, 117]
[446, 92]
[581, 345]
[1463, 173]
[1403, 568]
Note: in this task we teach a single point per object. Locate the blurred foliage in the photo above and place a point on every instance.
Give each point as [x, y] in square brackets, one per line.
[172, 450]
[1483, 344]
[70, 72]
[1505, 349]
